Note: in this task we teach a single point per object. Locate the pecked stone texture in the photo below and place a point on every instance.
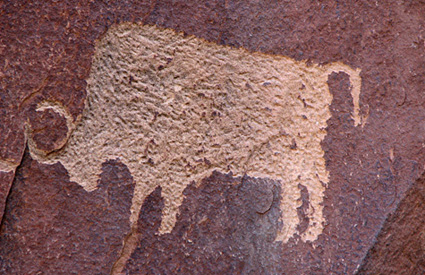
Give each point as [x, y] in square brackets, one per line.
[174, 108]
[53, 226]
[46, 49]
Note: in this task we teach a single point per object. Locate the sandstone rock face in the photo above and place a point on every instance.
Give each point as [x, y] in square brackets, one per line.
[211, 137]
[212, 232]
[58, 228]
[173, 109]
[400, 246]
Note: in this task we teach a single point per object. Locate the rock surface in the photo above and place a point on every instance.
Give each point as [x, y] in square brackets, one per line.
[46, 53]
[223, 227]
[400, 246]
[56, 227]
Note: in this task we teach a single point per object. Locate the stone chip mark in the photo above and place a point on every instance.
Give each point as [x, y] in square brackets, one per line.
[173, 109]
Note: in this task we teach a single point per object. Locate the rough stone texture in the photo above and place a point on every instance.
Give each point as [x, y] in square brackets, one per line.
[49, 130]
[5, 178]
[174, 108]
[227, 225]
[400, 246]
[56, 227]
[46, 48]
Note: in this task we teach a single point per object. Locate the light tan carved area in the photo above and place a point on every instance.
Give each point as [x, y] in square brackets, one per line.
[8, 166]
[173, 108]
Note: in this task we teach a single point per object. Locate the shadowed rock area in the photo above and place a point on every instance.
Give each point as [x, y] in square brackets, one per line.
[227, 225]
[53, 226]
[400, 246]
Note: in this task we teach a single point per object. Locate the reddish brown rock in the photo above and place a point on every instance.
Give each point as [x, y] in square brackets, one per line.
[226, 225]
[54, 226]
[6, 180]
[45, 54]
[49, 130]
[400, 246]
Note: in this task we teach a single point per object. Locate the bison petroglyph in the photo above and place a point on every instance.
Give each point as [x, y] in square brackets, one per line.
[173, 108]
